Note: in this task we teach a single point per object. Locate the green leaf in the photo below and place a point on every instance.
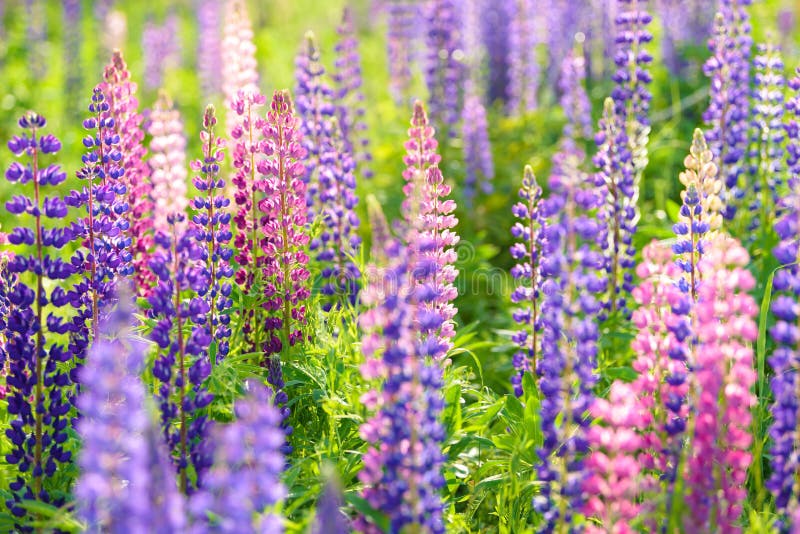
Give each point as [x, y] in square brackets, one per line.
[363, 507]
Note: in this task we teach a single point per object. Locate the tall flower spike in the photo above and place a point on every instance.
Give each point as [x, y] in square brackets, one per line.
[767, 137]
[528, 231]
[247, 138]
[716, 469]
[316, 110]
[574, 100]
[401, 35]
[239, 66]
[444, 70]
[37, 397]
[785, 383]
[161, 49]
[420, 155]
[338, 244]
[209, 47]
[125, 485]
[495, 22]
[523, 60]
[167, 162]
[181, 364]
[329, 517]
[403, 462]
[349, 95]
[244, 483]
[120, 93]
[212, 230]
[477, 149]
[729, 107]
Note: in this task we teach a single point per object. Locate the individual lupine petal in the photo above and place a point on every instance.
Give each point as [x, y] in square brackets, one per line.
[524, 38]
[528, 233]
[209, 47]
[477, 149]
[716, 469]
[167, 162]
[181, 365]
[39, 387]
[444, 70]
[120, 92]
[239, 66]
[212, 231]
[729, 106]
[244, 483]
[161, 50]
[124, 485]
[349, 95]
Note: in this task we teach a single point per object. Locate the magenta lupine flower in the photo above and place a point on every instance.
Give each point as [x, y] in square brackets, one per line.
[728, 110]
[716, 468]
[239, 66]
[523, 45]
[167, 162]
[161, 47]
[617, 475]
[247, 137]
[213, 233]
[349, 95]
[283, 235]
[420, 156]
[444, 70]
[126, 483]
[120, 93]
[477, 148]
[209, 47]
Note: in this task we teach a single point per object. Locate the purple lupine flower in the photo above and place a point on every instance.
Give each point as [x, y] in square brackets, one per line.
[72, 52]
[728, 110]
[36, 34]
[495, 21]
[784, 359]
[381, 236]
[338, 243]
[167, 162]
[182, 363]
[574, 100]
[402, 466]
[125, 484]
[527, 253]
[477, 148]
[349, 95]
[329, 517]
[563, 22]
[161, 47]
[239, 66]
[213, 233]
[209, 47]
[403, 19]
[284, 236]
[444, 69]
[601, 38]
[244, 482]
[523, 60]
[7, 281]
[38, 385]
[316, 110]
[767, 137]
[630, 94]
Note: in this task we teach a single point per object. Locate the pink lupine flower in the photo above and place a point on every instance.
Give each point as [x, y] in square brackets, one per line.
[239, 66]
[167, 163]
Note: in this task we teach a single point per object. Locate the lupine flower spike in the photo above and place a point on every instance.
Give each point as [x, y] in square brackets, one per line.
[523, 61]
[444, 70]
[239, 66]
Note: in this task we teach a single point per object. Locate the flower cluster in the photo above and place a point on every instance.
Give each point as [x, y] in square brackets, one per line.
[38, 386]
[477, 149]
[444, 71]
[523, 60]
[212, 231]
[209, 47]
[239, 66]
[182, 363]
[403, 19]
[161, 50]
[167, 162]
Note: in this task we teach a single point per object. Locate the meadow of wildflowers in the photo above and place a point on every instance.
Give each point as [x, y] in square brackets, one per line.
[400, 266]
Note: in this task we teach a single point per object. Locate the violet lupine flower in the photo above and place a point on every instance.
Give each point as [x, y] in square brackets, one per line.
[125, 485]
[784, 361]
[403, 462]
[284, 237]
[767, 137]
[167, 162]
[444, 70]
[239, 66]
[244, 483]
[574, 100]
[181, 364]
[247, 137]
[37, 383]
[120, 93]
[402, 20]
[601, 38]
[338, 243]
[72, 52]
[728, 111]
[209, 47]
[7, 281]
[212, 230]
[617, 476]
[349, 96]
[477, 149]
[381, 236]
[716, 467]
[495, 22]
[316, 110]
[161, 49]
[523, 60]
[36, 37]
[527, 253]
[329, 517]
